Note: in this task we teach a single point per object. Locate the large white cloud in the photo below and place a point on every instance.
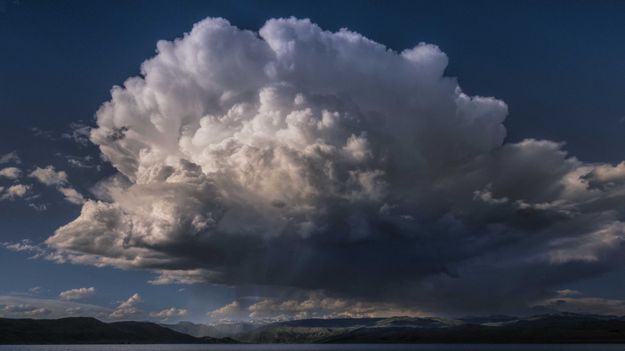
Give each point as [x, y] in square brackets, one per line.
[317, 160]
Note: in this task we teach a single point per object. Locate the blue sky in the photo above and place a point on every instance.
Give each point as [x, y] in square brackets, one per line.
[559, 66]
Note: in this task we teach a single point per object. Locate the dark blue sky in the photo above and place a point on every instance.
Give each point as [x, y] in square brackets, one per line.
[559, 65]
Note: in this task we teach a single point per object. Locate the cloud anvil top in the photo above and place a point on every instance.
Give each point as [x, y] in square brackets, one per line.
[348, 178]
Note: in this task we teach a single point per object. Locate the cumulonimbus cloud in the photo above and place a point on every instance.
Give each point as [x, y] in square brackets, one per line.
[303, 158]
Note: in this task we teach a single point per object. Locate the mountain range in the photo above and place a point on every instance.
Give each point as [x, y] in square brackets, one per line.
[85, 330]
[549, 328]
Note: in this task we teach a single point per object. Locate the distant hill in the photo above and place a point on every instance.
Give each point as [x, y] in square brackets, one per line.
[558, 328]
[215, 331]
[82, 330]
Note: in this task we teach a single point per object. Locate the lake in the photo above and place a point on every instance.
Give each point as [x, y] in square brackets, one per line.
[311, 347]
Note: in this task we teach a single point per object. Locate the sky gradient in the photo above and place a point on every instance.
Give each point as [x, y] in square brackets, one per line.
[269, 169]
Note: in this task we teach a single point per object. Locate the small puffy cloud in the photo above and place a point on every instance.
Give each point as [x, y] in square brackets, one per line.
[10, 172]
[14, 191]
[128, 308]
[72, 195]
[76, 294]
[10, 157]
[49, 176]
[231, 311]
[169, 313]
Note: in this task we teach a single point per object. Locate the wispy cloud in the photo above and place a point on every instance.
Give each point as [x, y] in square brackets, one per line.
[169, 313]
[22, 307]
[77, 294]
[10, 157]
[79, 133]
[575, 302]
[128, 308]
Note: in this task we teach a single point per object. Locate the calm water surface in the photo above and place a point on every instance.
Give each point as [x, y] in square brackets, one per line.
[311, 347]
